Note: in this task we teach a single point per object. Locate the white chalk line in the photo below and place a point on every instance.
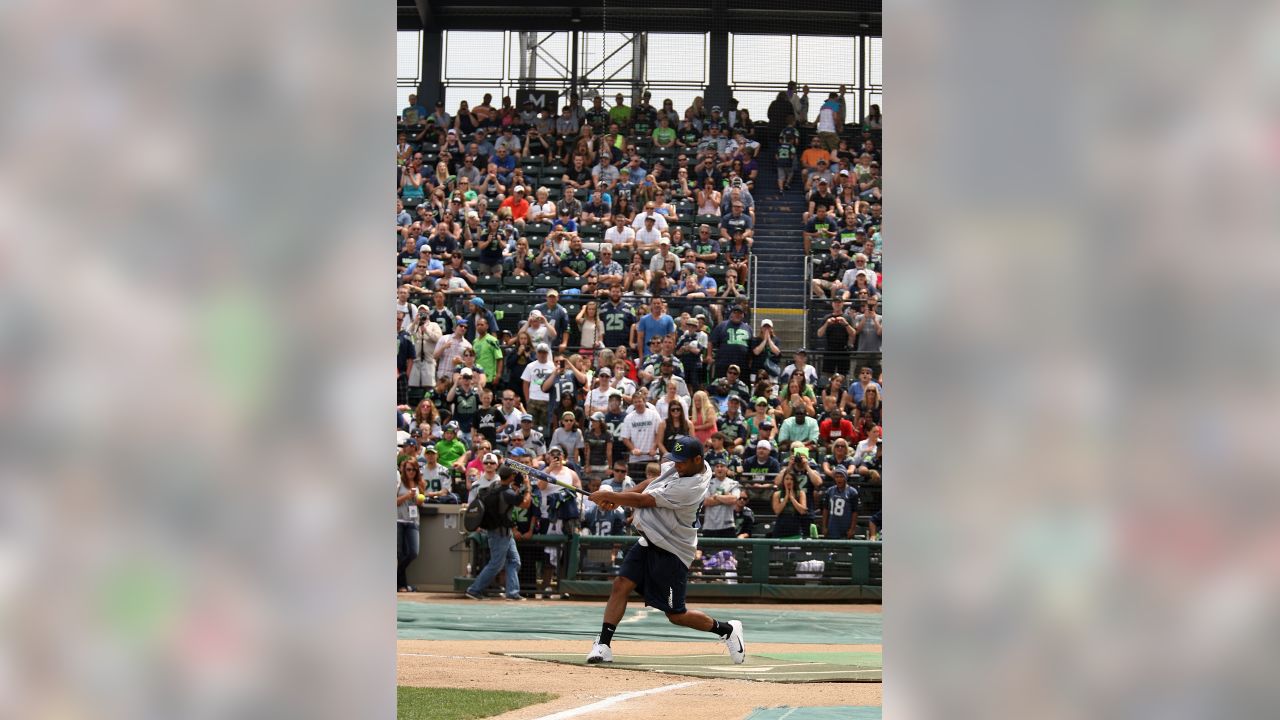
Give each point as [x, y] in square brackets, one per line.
[451, 657]
[611, 701]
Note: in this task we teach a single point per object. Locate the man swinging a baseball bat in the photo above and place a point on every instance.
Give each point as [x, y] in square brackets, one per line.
[657, 566]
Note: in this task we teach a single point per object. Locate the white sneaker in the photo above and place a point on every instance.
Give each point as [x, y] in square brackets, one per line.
[600, 653]
[736, 642]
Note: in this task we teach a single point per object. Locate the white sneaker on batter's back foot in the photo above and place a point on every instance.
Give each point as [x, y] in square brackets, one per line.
[600, 653]
[736, 642]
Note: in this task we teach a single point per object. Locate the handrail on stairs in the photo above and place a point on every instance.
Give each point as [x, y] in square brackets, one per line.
[754, 273]
[808, 281]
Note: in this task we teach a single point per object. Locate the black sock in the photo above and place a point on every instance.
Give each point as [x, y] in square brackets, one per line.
[721, 628]
[606, 633]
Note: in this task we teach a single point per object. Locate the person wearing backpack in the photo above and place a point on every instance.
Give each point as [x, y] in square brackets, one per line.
[498, 501]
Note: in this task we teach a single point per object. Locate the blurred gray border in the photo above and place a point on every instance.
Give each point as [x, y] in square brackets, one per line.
[1080, 500]
[194, 519]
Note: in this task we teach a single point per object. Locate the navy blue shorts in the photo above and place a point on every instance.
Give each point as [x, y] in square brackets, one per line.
[660, 577]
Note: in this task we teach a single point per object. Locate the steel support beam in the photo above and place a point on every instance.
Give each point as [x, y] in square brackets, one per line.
[639, 52]
[717, 92]
[573, 64]
[431, 84]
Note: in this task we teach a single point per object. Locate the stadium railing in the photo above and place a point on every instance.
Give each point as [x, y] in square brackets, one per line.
[763, 568]
[767, 568]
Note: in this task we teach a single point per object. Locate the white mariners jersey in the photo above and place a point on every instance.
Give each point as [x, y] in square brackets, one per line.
[669, 524]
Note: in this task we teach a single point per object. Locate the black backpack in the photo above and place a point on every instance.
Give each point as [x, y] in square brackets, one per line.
[489, 511]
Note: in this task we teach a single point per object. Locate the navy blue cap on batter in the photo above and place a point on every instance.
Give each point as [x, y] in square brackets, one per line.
[685, 448]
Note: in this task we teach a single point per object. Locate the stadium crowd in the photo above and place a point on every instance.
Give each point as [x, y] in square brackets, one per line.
[572, 293]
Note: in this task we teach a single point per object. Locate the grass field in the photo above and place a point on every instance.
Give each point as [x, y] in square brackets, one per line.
[425, 703]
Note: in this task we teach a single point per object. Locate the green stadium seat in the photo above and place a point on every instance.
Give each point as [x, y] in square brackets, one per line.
[510, 315]
[539, 228]
[542, 282]
[488, 282]
[522, 282]
[573, 282]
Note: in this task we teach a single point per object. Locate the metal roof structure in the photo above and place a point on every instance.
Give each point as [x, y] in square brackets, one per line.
[808, 17]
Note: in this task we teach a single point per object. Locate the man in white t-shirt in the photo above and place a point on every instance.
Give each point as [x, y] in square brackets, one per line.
[649, 236]
[598, 397]
[639, 431]
[620, 235]
[659, 258]
[659, 220]
[404, 306]
[535, 373]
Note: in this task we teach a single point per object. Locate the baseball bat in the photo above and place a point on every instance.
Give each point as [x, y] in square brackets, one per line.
[537, 474]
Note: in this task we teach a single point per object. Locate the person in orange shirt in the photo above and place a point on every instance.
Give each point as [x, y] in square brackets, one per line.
[518, 204]
[810, 157]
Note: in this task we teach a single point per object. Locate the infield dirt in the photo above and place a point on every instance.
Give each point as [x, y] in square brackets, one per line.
[471, 664]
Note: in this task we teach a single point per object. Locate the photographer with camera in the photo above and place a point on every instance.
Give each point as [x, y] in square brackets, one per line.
[513, 491]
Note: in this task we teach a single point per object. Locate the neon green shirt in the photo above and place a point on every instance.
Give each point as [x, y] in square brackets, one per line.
[488, 353]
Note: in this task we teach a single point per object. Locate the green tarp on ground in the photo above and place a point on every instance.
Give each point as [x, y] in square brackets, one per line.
[846, 712]
[501, 620]
[719, 666]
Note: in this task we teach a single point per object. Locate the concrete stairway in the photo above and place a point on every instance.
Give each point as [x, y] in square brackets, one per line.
[779, 254]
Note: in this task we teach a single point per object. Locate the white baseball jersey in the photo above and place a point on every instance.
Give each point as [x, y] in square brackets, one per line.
[669, 524]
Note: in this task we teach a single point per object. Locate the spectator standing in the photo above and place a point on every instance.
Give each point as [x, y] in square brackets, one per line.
[422, 374]
[408, 490]
[534, 377]
[703, 417]
[828, 116]
[404, 361]
[790, 506]
[744, 518]
[721, 502]
[569, 438]
[488, 350]
[656, 324]
[868, 327]
[556, 315]
[691, 347]
[450, 348]
[639, 431]
[840, 507]
[437, 480]
[731, 342]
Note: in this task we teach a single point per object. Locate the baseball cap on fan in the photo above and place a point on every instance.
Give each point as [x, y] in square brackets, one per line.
[685, 448]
